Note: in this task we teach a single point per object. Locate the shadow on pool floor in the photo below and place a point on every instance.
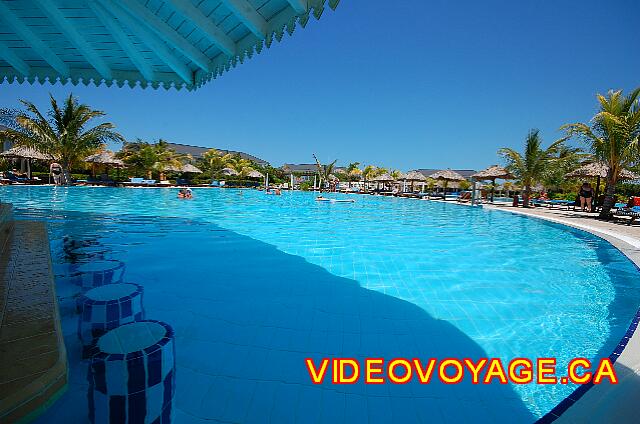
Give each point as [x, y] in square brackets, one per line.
[247, 315]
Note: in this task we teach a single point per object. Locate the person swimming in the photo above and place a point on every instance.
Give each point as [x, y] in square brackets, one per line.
[185, 193]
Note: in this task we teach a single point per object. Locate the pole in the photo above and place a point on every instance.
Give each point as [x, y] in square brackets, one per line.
[291, 181]
[29, 168]
[597, 188]
[493, 187]
[266, 184]
[314, 183]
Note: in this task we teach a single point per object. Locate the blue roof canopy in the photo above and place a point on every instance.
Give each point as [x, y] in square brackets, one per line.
[169, 43]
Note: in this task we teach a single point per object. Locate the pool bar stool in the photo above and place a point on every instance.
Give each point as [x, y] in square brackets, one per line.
[132, 376]
[105, 308]
[98, 273]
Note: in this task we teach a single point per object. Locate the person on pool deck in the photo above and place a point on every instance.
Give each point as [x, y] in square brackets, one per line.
[586, 195]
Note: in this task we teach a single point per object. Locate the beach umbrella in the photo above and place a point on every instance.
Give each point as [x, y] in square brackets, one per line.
[414, 176]
[229, 171]
[599, 170]
[446, 175]
[493, 173]
[28, 153]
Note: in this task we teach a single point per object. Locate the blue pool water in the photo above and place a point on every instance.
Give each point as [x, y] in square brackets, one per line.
[253, 284]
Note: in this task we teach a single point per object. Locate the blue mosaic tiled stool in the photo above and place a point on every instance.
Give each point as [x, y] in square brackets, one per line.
[98, 273]
[107, 307]
[132, 377]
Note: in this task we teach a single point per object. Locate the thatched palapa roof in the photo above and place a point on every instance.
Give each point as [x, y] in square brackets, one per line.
[493, 172]
[447, 175]
[383, 178]
[414, 176]
[19, 152]
[190, 168]
[599, 169]
[255, 174]
[229, 171]
[104, 158]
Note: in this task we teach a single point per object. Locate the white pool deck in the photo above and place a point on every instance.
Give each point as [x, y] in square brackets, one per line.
[606, 402]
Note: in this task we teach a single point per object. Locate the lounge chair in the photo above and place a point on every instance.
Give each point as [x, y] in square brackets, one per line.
[464, 197]
[633, 213]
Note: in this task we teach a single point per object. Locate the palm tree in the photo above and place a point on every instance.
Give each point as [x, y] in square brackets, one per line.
[212, 160]
[237, 163]
[508, 185]
[324, 171]
[612, 136]
[531, 167]
[167, 159]
[568, 159]
[65, 134]
[142, 156]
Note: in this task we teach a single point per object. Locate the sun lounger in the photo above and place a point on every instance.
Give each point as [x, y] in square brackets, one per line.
[633, 213]
[464, 197]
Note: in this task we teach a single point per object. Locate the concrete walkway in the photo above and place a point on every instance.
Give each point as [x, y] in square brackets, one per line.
[606, 402]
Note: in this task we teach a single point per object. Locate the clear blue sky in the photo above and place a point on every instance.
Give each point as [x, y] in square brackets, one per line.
[403, 84]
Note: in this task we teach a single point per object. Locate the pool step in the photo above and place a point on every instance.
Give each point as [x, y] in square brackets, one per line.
[32, 352]
[6, 224]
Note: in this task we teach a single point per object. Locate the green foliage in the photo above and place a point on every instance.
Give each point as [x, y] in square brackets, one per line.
[65, 134]
[464, 185]
[534, 164]
[612, 136]
[306, 185]
[143, 158]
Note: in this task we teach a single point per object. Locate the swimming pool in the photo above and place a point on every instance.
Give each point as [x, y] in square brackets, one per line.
[253, 284]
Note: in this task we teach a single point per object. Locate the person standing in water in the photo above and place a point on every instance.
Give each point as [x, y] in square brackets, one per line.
[55, 169]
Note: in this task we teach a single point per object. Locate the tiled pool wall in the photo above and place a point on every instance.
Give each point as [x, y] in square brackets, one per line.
[570, 400]
[581, 390]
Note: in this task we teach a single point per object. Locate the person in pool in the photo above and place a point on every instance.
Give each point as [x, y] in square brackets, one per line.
[55, 169]
[586, 195]
[185, 193]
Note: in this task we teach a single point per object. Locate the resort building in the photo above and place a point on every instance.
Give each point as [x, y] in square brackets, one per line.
[302, 171]
[467, 173]
[196, 152]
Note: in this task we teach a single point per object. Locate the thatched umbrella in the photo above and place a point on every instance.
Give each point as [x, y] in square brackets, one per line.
[384, 178]
[445, 176]
[27, 153]
[414, 176]
[104, 158]
[255, 174]
[599, 170]
[229, 171]
[493, 173]
[190, 169]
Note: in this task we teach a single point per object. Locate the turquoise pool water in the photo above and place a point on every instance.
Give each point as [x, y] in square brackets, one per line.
[253, 284]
